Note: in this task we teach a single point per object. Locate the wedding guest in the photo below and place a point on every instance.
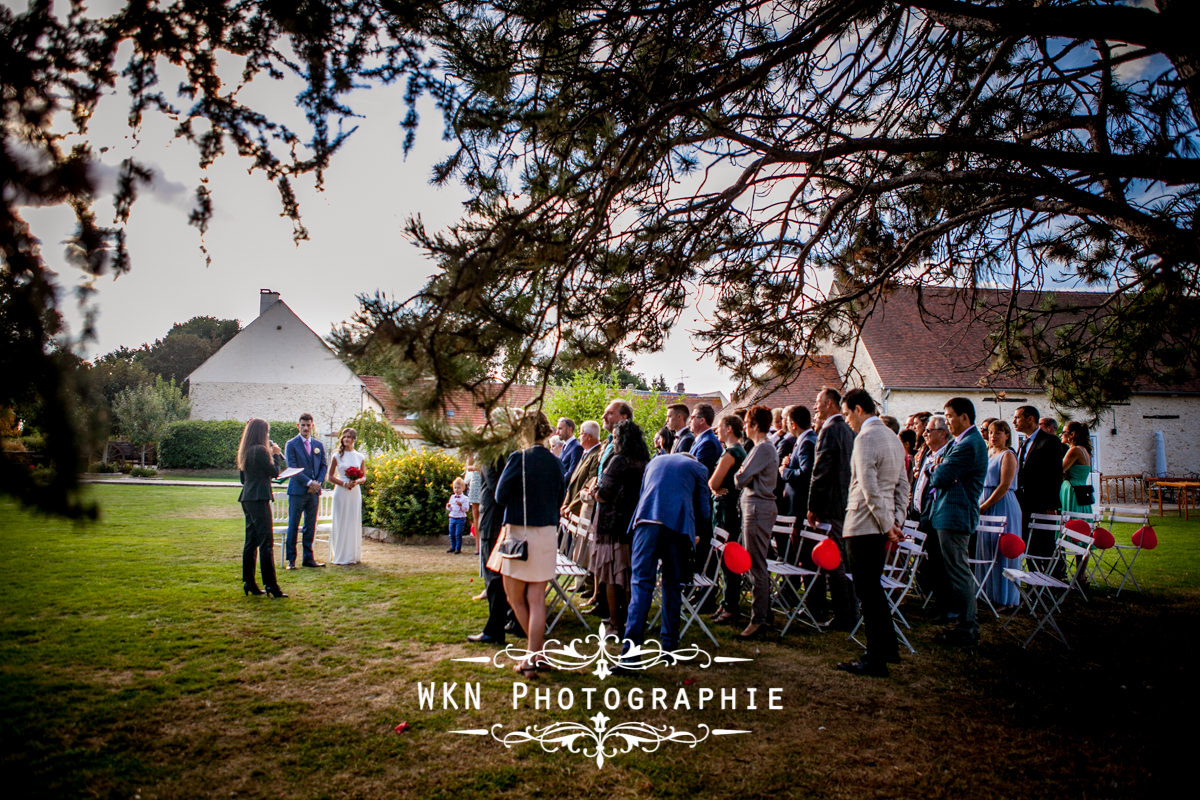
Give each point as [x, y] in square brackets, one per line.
[346, 474]
[529, 491]
[259, 461]
[827, 497]
[617, 495]
[999, 499]
[677, 425]
[756, 479]
[1076, 493]
[891, 422]
[726, 509]
[304, 490]
[457, 506]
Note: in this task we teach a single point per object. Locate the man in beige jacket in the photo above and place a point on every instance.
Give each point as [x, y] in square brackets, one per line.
[875, 513]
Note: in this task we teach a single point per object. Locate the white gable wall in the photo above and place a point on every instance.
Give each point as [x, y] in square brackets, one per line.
[277, 368]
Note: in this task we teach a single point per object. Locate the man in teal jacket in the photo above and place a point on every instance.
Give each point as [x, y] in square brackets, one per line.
[957, 484]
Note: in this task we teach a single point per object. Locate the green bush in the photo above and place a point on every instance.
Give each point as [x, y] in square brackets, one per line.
[406, 491]
[143, 472]
[209, 444]
[101, 468]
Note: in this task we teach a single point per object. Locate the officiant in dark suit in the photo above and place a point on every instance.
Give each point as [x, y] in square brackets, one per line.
[304, 490]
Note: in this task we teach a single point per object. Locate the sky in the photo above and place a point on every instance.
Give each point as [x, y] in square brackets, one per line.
[356, 243]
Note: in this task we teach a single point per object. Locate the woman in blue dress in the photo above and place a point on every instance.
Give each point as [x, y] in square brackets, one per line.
[999, 499]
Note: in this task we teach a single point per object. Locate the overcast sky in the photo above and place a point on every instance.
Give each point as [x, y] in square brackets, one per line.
[355, 232]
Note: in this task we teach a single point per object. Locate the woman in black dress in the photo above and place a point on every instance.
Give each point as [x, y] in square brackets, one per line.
[617, 490]
[259, 461]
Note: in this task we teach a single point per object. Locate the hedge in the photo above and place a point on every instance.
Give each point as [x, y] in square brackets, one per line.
[209, 444]
[406, 491]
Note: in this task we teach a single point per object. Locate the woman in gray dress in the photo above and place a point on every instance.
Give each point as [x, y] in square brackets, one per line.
[756, 479]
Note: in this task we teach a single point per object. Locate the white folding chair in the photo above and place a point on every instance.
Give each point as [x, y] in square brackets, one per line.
[1074, 550]
[1124, 555]
[1047, 525]
[987, 533]
[279, 523]
[898, 578]
[559, 599]
[1041, 595]
[794, 604]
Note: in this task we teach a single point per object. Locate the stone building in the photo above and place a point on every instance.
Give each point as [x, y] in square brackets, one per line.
[277, 368]
[910, 363]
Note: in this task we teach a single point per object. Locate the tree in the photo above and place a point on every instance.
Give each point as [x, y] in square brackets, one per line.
[57, 65]
[630, 156]
[375, 435]
[143, 412]
[186, 346]
[586, 394]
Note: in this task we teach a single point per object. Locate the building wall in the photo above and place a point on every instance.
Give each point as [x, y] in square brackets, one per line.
[330, 405]
[1129, 451]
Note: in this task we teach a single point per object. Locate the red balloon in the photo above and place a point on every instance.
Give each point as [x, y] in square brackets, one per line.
[737, 558]
[1103, 539]
[1079, 526]
[826, 555]
[1145, 538]
[1011, 545]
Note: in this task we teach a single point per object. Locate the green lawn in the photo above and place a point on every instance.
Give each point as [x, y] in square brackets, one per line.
[131, 665]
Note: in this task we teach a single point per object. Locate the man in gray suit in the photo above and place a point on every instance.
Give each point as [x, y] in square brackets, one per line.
[875, 511]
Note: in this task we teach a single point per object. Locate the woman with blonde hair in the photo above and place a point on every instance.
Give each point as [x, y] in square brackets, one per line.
[530, 491]
[346, 473]
[259, 462]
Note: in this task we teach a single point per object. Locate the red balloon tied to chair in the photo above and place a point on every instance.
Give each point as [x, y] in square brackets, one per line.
[1103, 538]
[1011, 545]
[1079, 526]
[737, 558]
[826, 555]
[1145, 538]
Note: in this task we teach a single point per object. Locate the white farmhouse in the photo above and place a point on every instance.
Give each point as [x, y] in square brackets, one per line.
[911, 363]
[278, 368]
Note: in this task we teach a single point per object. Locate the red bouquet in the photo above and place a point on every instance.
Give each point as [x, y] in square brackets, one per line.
[354, 473]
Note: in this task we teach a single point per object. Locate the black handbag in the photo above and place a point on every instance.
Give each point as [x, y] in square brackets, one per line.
[1085, 494]
[514, 548]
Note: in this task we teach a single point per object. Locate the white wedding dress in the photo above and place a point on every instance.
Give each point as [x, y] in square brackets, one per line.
[345, 539]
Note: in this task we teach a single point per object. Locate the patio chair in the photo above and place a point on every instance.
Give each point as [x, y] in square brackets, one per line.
[993, 527]
[1124, 555]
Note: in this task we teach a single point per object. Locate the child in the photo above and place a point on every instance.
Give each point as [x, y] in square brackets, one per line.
[459, 506]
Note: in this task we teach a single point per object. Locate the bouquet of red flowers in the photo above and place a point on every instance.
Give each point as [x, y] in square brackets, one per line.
[354, 473]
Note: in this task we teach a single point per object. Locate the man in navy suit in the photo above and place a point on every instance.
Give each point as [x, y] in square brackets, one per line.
[957, 482]
[674, 496]
[677, 421]
[572, 451]
[707, 447]
[1039, 476]
[828, 493]
[304, 490]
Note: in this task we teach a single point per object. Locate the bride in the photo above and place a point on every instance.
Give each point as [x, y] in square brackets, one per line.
[345, 539]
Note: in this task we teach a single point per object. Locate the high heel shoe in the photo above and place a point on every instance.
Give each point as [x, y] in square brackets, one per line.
[252, 588]
[274, 591]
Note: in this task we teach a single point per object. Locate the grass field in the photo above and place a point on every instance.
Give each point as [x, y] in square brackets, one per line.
[132, 666]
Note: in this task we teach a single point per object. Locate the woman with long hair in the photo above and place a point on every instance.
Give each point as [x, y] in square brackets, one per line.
[530, 491]
[345, 537]
[1077, 468]
[999, 499]
[756, 479]
[259, 462]
[617, 493]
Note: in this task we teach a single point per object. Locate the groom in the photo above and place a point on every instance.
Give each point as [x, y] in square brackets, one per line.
[304, 490]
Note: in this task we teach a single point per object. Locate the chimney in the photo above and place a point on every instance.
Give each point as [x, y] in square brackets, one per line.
[679, 388]
[266, 299]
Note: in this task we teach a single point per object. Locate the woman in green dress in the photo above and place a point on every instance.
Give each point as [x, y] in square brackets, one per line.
[727, 513]
[1077, 467]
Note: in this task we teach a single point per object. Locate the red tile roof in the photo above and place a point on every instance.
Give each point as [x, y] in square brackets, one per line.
[817, 373]
[948, 347]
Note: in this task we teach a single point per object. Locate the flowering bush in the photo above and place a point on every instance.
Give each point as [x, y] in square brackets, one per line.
[406, 491]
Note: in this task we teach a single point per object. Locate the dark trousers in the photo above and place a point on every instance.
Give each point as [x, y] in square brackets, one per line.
[867, 555]
[498, 608]
[653, 544]
[956, 545]
[306, 505]
[931, 573]
[840, 593]
[258, 541]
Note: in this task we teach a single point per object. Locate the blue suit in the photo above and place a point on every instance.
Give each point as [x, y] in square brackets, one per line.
[797, 473]
[707, 450]
[674, 497]
[957, 483]
[300, 501]
[571, 453]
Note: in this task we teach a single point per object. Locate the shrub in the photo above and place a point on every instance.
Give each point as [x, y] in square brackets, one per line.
[209, 444]
[102, 468]
[143, 472]
[586, 394]
[406, 491]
